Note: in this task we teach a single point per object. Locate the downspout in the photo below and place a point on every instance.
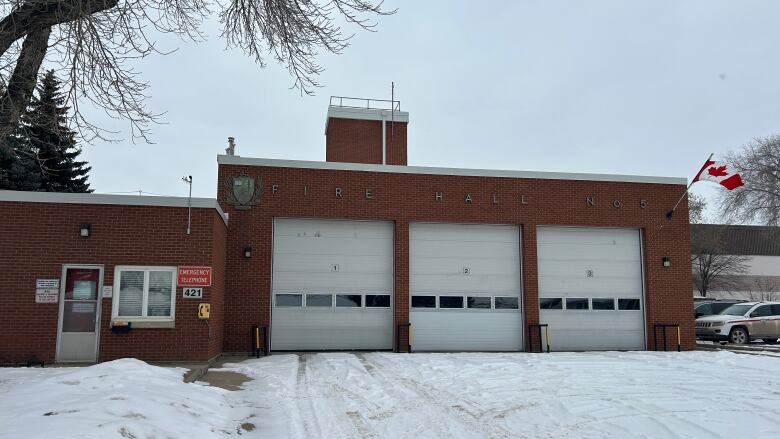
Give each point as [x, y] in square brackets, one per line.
[384, 138]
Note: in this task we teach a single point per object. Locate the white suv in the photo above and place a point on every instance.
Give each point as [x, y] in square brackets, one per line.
[741, 323]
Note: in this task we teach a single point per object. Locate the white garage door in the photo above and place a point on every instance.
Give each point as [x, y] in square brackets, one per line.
[590, 288]
[332, 285]
[464, 283]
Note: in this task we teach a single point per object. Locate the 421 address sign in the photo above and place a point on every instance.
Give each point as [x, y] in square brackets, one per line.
[193, 293]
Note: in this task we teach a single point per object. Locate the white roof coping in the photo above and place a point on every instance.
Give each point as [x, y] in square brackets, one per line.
[365, 114]
[397, 169]
[124, 200]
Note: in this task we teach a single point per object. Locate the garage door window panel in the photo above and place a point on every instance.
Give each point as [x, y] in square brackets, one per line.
[145, 293]
[551, 303]
[349, 300]
[577, 304]
[507, 302]
[377, 301]
[629, 305]
[319, 300]
[603, 304]
[478, 302]
[423, 301]
[289, 300]
[451, 302]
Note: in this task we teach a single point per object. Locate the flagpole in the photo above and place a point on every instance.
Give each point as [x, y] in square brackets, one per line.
[671, 212]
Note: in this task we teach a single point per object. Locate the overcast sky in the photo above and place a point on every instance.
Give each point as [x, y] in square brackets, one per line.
[629, 87]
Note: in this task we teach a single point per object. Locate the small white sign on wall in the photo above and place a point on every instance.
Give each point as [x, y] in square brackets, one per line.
[192, 293]
[108, 292]
[47, 295]
[47, 284]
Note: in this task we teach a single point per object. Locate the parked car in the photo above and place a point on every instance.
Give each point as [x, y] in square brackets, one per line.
[741, 323]
[713, 307]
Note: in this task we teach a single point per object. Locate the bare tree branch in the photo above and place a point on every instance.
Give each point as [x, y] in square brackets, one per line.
[96, 43]
[712, 265]
[35, 15]
[21, 85]
[764, 288]
[696, 206]
[759, 199]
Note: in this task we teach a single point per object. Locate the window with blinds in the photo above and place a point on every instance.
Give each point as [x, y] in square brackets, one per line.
[131, 293]
[145, 292]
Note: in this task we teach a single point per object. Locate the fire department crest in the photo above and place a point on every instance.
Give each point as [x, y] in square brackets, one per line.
[243, 192]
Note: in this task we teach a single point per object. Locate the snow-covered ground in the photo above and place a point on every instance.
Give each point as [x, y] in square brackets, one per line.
[384, 395]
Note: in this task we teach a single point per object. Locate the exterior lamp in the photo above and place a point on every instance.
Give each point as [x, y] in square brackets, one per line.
[85, 230]
[248, 252]
[667, 262]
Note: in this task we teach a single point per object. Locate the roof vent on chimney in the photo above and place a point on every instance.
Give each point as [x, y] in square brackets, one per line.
[231, 149]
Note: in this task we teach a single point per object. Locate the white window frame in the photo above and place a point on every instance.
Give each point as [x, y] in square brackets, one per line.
[311, 293]
[617, 304]
[614, 304]
[435, 301]
[290, 293]
[566, 304]
[562, 308]
[145, 301]
[466, 303]
[336, 301]
[506, 309]
[378, 294]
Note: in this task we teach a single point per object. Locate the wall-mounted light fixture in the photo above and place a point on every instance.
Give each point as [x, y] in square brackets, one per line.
[247, 252]
[85, 230]
[667, 262]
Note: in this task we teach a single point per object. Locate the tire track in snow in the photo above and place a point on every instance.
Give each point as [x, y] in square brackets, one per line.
[303, 399]
[476, 409]
[457, 409]
[325, 399]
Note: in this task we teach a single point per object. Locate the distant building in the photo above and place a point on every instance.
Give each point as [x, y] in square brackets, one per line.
[760, 245]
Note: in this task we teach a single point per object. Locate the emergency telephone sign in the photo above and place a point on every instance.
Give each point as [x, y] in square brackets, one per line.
[194, 277]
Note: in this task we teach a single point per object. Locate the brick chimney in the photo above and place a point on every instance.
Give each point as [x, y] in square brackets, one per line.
[353, 131]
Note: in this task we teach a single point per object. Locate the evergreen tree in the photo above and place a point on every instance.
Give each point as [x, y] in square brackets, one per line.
[18, 166]
[45, 132]
[18, 170]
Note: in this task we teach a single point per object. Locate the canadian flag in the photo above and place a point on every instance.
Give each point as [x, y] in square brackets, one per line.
[719, 173]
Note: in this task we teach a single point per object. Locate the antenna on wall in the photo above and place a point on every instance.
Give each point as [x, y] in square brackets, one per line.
[188, 180]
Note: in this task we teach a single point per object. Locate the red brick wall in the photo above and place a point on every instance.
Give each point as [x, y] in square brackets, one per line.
[405, 198]
[360, 141]
[38, 238]
[217, 297]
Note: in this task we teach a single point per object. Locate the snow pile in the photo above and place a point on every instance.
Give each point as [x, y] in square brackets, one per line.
[119, 399]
